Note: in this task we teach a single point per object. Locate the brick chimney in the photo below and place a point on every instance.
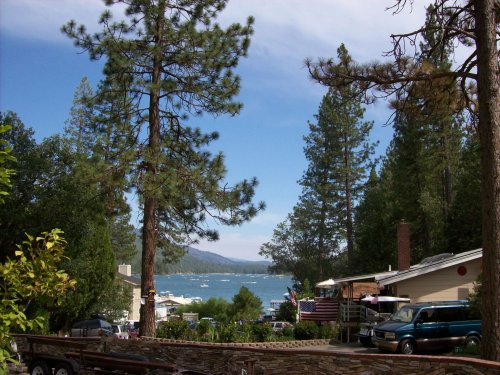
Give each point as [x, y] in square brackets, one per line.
[403, 246]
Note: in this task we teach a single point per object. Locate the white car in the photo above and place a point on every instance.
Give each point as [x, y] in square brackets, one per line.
[120, 331]
[278, 326]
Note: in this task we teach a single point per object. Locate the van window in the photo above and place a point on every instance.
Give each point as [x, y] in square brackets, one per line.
[428, 316]
[471, 314]
[451, 314]
[404, 314]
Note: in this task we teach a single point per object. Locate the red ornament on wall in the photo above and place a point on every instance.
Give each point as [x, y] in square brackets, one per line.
[462, 270]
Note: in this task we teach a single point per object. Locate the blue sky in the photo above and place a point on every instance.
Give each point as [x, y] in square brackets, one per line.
[40, 70]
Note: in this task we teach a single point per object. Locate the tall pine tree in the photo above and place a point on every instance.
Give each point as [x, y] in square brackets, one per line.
[172, 60]
[338, 152]
[425, 151]
[100, 130]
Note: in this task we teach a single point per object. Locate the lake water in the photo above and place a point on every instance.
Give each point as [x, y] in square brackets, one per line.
[266, 287]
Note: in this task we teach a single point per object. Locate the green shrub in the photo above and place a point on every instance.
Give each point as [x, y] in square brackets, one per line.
[306, 330]
[203, 327]
[261, 332]
[205, 331]
[174, 329]
[227, 332]
[287, 312]
[325, 332]
[288, 332]
[472, 350]
[244, 332]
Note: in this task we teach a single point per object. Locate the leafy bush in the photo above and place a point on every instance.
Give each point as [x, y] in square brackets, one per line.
[246, 305]
[261, 332]
[244, 332]
[214, 307]
[288, 332]
[227, 332]
[287, 312]
[325, 332]
[472, 350]
[203, 327]
[306, 330]
[31, 274]
[475, 297]
[174, 329]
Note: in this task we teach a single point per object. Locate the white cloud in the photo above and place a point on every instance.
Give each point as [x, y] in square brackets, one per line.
[281, 25]
[43, 19]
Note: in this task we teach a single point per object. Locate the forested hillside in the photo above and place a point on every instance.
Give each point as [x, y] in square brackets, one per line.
[198, 261]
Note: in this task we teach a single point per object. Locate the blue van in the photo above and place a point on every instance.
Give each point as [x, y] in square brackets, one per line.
[429, 326]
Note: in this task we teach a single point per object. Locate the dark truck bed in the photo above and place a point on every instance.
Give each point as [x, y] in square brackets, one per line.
[78, 358]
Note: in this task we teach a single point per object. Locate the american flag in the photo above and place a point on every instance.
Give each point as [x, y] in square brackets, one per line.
[291, 295]
[320, 309]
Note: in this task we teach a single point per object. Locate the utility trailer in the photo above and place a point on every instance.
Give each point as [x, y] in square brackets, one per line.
[77, 359]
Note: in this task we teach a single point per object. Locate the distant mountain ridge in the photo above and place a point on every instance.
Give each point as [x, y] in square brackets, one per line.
[210, 257]
[216, 258]
[200, 261]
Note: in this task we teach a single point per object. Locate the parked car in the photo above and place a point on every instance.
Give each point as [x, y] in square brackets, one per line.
[429, 326]
[91, 328]
[278, 327]
[211, 321]
[388, 304]
[268, 318]
[133, 329]
[120, 331]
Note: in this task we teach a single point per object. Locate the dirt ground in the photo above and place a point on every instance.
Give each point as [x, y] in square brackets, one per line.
[353, 347]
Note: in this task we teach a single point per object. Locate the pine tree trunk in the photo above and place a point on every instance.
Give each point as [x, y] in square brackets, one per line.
[149, 234]
[321, 244]
[350, 231]
[447, 175]
[147, 321]
[348, 207]
[489, 135]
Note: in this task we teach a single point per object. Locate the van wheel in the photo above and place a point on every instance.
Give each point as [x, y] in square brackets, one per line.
[472, 341]
[407, 347]
[39, 368]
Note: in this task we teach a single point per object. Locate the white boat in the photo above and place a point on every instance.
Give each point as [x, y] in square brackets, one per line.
[204, 285]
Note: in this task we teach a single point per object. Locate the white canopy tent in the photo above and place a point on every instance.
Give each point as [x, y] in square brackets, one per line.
[327, 284]
[174, 301]
[377, 299]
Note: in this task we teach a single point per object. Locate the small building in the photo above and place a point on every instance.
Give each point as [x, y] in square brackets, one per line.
[125, 273]
[444, 277]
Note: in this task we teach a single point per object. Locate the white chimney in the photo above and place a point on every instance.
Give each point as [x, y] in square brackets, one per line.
[125, 269]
